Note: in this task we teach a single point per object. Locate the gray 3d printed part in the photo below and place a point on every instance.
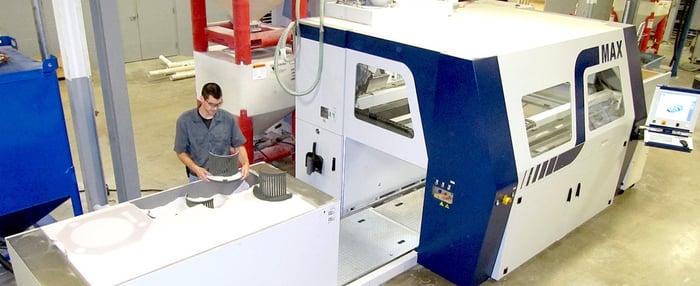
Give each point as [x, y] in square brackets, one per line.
[191, 202]
[222, 165]
[272, 186]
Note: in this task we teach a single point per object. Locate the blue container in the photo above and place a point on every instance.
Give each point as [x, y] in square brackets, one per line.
[36, 169]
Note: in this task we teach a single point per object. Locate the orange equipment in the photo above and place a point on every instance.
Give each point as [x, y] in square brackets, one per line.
[659, 34]
[646, 33]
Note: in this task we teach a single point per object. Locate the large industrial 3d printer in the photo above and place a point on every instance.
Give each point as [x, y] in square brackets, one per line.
[516, 122]
[464, 137]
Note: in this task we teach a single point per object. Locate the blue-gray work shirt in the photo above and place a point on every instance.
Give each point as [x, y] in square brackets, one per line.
[194, 138]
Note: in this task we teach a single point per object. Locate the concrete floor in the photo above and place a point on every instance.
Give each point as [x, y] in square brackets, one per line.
[649, 236]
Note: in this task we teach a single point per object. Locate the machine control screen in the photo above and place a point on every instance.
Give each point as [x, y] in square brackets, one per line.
[675, 106]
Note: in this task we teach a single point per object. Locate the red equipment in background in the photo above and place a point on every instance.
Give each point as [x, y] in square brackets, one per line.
[613, 15]
[646, 33]
[659, 34]
[238, 36]
[266, 149]
[246, 125]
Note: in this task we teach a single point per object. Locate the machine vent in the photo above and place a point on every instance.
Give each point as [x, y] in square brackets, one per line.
[578, 189]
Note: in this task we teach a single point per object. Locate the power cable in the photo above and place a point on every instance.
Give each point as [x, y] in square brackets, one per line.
[281, 43]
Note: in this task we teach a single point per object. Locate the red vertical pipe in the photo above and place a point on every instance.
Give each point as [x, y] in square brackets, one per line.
[246, 125]
[659, 34]
[241, 31]
[302, 7]
[199, 25]
[646, 33]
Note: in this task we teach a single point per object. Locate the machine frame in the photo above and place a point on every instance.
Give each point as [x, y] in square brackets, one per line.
[489, 204]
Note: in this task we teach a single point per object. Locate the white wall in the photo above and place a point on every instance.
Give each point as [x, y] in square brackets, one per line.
[17, 20]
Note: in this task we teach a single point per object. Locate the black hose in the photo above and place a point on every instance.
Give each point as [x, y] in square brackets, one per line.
[6, 264]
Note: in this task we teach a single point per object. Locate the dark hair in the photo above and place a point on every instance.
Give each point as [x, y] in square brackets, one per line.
[211, 89]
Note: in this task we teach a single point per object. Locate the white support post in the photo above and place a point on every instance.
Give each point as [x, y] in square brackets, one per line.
[76, 65]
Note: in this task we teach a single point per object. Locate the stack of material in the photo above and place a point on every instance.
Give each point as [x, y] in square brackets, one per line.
[174, 70]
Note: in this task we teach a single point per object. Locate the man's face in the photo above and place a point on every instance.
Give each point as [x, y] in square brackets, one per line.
[210, 106]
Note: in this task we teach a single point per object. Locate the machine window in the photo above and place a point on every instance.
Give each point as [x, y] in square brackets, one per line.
[381, 99]
[604, 98]
[548, 118]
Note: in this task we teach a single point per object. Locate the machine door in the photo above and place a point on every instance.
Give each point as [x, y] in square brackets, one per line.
[536, 219]
[608, 123]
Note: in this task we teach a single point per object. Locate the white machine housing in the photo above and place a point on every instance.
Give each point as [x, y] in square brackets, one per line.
[496, 193]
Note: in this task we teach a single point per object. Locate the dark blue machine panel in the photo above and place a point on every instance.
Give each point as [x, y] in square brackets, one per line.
[37, 172]
[471, 164]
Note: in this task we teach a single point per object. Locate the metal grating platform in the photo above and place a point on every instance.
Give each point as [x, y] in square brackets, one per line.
[370, 239]
[406, 210]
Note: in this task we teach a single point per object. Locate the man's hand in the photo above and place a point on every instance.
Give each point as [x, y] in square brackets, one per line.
[198, 171]
[245, 170]
[243, 159]
[201, 173]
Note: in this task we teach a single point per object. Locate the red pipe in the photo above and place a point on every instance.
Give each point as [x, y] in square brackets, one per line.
[302, 7]
[646, 32]
[246, 125]
[659, 34]
[240, 39]
[241, 31]
[199, 25]
[222, 35]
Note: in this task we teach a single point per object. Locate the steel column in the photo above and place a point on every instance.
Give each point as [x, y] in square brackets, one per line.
[39, 23]
[113, 79]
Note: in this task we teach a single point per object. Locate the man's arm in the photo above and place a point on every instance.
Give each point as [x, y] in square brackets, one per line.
[243, 159]
[197, 170]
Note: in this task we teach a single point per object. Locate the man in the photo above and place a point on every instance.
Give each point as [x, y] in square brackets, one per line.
[207, 129]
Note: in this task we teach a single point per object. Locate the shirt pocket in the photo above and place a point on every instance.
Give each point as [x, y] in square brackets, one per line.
[221, 142]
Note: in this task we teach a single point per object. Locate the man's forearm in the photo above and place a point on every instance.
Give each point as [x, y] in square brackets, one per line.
[185, 159]
[242, 155]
